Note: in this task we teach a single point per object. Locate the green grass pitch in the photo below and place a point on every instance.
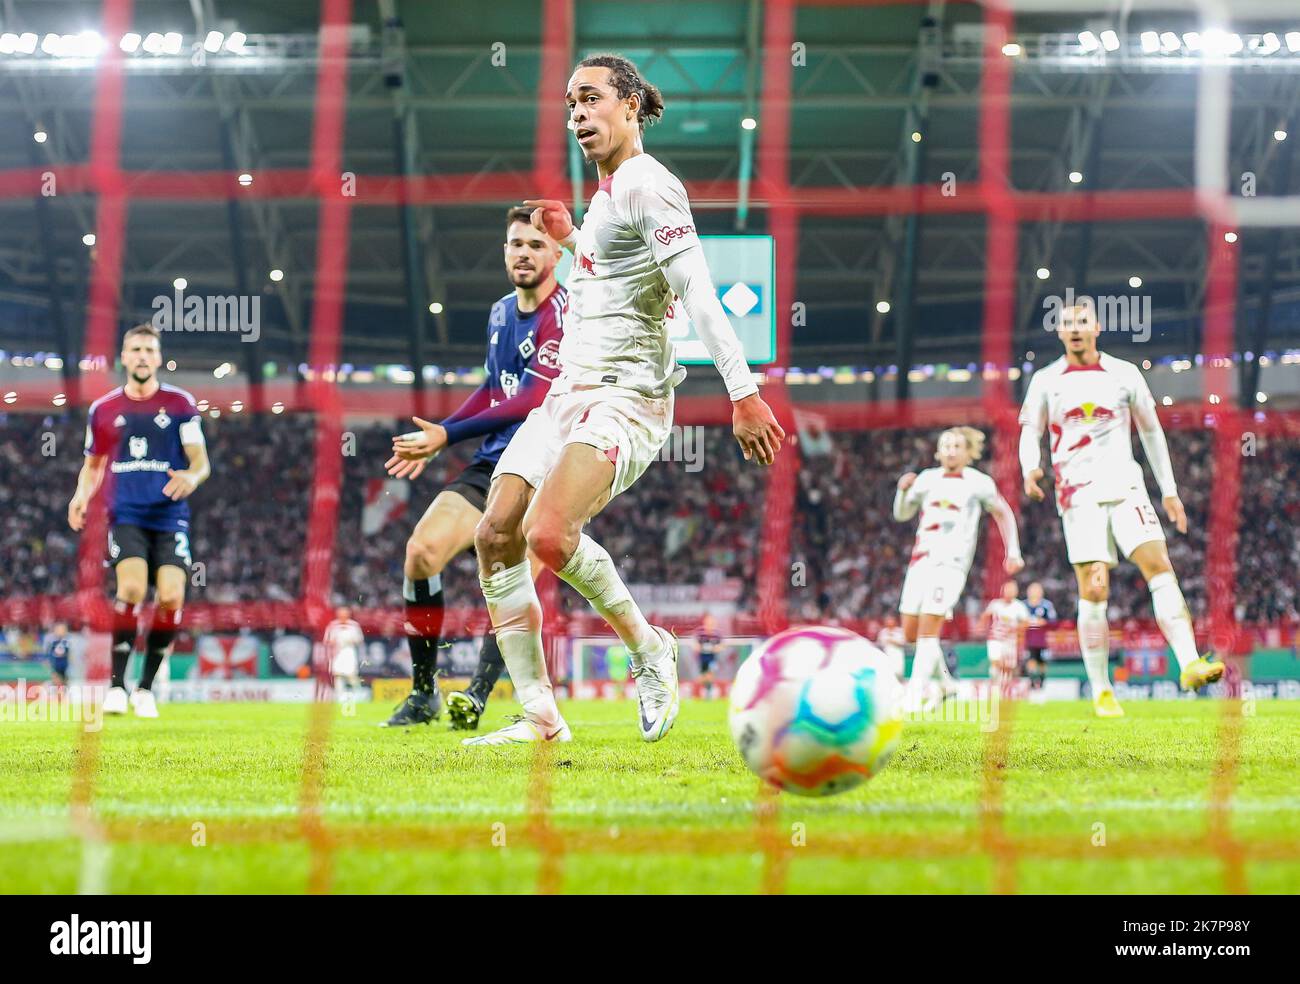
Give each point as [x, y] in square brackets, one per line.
[236, 768]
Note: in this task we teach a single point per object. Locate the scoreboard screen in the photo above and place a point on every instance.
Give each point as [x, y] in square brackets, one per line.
[744, 276]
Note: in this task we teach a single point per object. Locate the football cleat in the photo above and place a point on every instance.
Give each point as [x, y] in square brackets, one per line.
[464, 709]
[416, 709]
[143, 704]
[522, 731]
[115, 701]
[656, 690]
[1199, 672]
[1106, 705]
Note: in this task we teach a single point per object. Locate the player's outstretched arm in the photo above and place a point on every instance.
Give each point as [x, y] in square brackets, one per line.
[1033, 421]
[89, 480]
[1152, 436]
[753, 422]
[1002, 514]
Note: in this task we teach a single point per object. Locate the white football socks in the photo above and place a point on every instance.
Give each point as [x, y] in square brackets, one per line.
[591, 572]
[517, 617]
[925, 664]
[1172, 616]
[1094, 642]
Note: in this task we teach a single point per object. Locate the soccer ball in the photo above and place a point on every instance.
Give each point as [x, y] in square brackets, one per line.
[816, 710]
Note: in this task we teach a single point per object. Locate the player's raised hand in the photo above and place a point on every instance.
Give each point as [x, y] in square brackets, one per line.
[551, 216]
[1031, 485]
[905, 481]
[77, 513]
[1176, 513]
[179, 484]
[1013, 565]
[429, 440]
[756, 429]
[399, 467]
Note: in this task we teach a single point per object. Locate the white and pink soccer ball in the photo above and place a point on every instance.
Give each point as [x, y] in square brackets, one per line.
[816, 710]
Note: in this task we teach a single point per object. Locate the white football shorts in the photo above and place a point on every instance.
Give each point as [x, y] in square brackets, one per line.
[931, 588]
[628, 428]
[1093, 531]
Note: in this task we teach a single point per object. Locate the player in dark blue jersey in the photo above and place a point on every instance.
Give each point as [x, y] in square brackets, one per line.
[147, 438]
[57, 651]
[523, 356]
[1041, 614]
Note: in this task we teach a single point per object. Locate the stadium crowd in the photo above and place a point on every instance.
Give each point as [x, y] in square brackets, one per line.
[695, 518]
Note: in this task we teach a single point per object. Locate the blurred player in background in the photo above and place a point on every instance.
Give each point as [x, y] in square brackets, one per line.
[343, 642]
[1090, 401]
[57, 651]
[707, 642]
[1041, 613]
[1004, 622]
[892, 641]
[951, 499]
[523, 356]
[610, 411]
[152, 435]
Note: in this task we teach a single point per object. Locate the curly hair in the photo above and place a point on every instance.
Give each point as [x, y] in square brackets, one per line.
[627, 79]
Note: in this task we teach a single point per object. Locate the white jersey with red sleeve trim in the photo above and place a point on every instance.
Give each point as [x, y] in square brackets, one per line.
[951, 504]
[1007, 618]
[617, 332]
[1088, 414]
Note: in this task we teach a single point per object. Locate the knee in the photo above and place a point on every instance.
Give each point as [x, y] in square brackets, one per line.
[421, 558]
[493, 538]
[132, 594]
[171, 598]
[1095, 585]
[552, 543]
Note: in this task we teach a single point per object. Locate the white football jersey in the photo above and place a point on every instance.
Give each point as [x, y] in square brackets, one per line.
[344, 638]
[1088, 413]
[619, 301]
[1006, 619]
[951, 504]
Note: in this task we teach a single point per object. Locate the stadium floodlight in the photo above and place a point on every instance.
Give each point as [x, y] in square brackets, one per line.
[1110, 40]
[1170, 42]
[86, 44]
[245, 179]
[1229, 237]
[172, 42]
[1269, 44]
[40, 136]
[1293, 41]
[1042, 273]
[1193, 40]
[749, 123]
[212, 43]
[153, 43]
[27, 43]
[1150, 42]
[435, 308]
[235, 43]
[180, 283]
[883, 307]
[1011, 49]
[130, 43]
[88, 239]
[276, 275]
[1135, 282]
[8, 44]
[52, 44]
[916, 136]
[1075, 177]
[1088, 41]
[1279, 135]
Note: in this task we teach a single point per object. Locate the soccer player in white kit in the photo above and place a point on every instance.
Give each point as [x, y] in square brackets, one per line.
[1005, 620]
[951, 499]
[343, 641]
[1089, 401]
[609, 411]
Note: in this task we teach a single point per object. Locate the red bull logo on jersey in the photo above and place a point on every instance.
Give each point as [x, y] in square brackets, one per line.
[1089, 413]
[944, 504]
[586, 263]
